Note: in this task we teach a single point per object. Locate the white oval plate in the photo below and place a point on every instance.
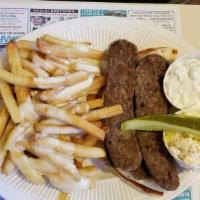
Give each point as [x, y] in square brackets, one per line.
[101, 31]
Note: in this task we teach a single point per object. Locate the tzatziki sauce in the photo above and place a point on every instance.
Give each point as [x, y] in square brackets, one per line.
[182, 82]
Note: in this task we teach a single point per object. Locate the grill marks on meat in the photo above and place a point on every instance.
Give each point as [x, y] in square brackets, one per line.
[150, 100]
[122, 148]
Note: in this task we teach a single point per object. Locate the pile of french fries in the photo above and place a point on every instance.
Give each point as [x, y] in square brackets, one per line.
[52, 107]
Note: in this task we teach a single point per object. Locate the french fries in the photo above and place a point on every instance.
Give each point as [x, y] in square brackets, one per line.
[86, 106]
[10, 125]
[43, 166]
[42, 83]
[25, 44]
[38, 60]
[88, 172]
[4, 117]
[84, 67]
[95, 103]
[62, 180]
[22, 162]
[8, 166]
[50, 119]
[98, 83]
[90, 140]
[16, 79]
[70, 91]
[53, 40]
[34, 68]
[25, 53]
[10, 101]
[71, 148]
[56, 129]
[16, 68]
[53, 122]
[15, 134]
[2, 157]
[57, 113]
[75, 52]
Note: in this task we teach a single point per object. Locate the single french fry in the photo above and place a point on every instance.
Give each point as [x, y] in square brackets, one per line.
[53, 40]
[77, 139]
[70, 91]
[3, 154]
[8, 166]
[86, 106]
[83, 162]
[27, 111]
[56, 129]
[59, 72]
[103, 113]
[22, 162]
[98, 83]
[26, 44]
[22, 93]
[42, 83]
[34, 68]
[28, 147]
[90, 140]
[14, 58]
[16, 68]
[67, 183]
[95, 103]
[75, 52]
[25, 53]
[57, 59]
[16, 79]
[46, 94]
[65, 68]
[69, 118]
[4, 117]
[40, 61]
[53, 122]
[91, 97]
[84, 67]
[28, 73]
[70, 148]
[98, 123]
[43, 166]
[88, 172]
[15, 135]
[62, 162]
[80, 108]
[65, 138]
[10, 102]
[87, 61]
[10, 125]
[53, 82]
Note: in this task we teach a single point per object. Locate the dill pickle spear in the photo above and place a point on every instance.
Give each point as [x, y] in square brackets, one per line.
[180, 123]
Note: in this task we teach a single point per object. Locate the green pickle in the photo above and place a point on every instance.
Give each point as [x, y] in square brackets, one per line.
[174, 123]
